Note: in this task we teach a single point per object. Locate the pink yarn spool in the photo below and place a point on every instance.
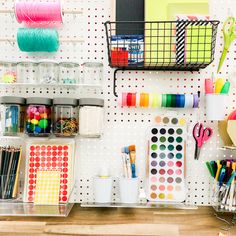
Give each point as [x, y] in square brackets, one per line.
[38, 13]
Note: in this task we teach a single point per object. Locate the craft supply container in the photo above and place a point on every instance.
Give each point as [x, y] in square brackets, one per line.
[66, 118]
[8, 72]
[129, 190]
[69, 73]
[48, 72]
[7, 185]
[91, 117]
[102, 189]
[12, 115]
[27, 72]
[216, 106]
[38, 116]
[92, 73]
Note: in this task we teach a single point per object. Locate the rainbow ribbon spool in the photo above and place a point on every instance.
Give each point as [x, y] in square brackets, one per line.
[155, 100]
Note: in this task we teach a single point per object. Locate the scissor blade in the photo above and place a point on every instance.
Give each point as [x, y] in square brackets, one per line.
[222, 59]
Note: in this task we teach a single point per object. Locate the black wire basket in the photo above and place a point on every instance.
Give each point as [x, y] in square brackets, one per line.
[164, 45]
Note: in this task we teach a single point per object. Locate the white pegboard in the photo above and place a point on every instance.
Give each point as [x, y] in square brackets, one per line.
[124, 126]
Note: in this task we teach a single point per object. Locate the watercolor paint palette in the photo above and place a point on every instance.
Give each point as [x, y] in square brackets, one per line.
[166, 163]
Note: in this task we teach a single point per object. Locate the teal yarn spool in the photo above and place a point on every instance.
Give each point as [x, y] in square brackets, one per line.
[37, 40]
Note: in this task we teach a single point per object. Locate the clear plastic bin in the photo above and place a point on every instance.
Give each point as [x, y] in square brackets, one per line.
[8, 73]
[48, 72]
[69, 73]
[27, 72]
[92, 73]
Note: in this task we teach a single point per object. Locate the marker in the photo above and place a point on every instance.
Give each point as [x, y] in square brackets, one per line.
[219, 85]
[226, 87]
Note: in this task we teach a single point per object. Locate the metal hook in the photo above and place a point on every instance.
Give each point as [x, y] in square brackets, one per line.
[11, 43]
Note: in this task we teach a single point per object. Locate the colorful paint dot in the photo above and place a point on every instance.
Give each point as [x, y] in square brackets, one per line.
[179, 131]
[162, 131]
[170, 147]
[182, 121]
[162, 139]
[174, 121]
[171, 131]
[154, 139]
[161, 195]
[162, 147]
[154, 131]
[154, 155]
[154, 147]
[179, 140]
[166, 120]
[171, 139]
[179, 155]
[153, 195]
[162, 155]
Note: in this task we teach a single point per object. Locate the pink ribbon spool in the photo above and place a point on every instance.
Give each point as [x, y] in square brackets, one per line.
[41, 13]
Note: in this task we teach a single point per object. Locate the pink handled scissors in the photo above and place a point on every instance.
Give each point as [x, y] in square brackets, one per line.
[201, 136]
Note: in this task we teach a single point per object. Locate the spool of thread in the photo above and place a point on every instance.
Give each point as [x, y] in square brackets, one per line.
[38, 12]
[37, 40]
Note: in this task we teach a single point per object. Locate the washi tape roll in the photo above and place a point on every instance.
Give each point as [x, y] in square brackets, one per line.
[150, 100]
[129, 99]
[133, 103]
[137, 99]
[164, 98]
[154, 100]
[180, 100]
[142, 98]
[173, 100]
[168, 100]
[124, 99]
[159, 100]
[188, 101]
[145, 100]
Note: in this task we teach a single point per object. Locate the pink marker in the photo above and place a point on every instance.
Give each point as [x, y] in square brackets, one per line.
[209, 87]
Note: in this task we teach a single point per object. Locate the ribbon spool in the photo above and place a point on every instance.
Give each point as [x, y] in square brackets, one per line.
[39, 13]
[154, 100]
[37, 40]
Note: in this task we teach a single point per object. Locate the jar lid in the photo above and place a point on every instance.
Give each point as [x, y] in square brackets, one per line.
[12, 100]
[65, 101]
[91, 102]
[38, 100]
[92, 64]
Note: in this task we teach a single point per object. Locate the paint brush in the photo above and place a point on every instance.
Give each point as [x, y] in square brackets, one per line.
[132, 154]
[128, 163]
[124, 162]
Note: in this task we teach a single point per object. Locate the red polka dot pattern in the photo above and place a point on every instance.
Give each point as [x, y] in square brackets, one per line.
[46, 157]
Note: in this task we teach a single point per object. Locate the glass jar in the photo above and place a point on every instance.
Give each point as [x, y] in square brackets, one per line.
[91, 115]
[69, 73]
[12, 115]
[8, 72]
[27, 72]
[38, 116]
[92, 73]
[66, 122]
[48, 73]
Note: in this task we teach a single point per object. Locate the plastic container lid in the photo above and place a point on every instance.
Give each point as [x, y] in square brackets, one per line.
[39, 100]
[65, 101]
[92, 64]
[91, 102]
[12, 100]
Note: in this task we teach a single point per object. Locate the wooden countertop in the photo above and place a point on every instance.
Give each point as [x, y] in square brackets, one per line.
[118, 221]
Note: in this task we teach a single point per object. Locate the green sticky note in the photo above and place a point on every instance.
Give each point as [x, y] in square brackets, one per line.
[198, 44]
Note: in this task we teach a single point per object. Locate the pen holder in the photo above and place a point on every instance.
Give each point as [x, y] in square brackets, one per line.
[103, 190]
[129, 190]
[216, 106]
[7, 186]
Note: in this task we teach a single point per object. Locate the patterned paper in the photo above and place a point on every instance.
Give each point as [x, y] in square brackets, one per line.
[47, 188]
[43, 157]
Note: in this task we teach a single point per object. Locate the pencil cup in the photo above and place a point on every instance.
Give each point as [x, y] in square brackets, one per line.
[216, 106]
[129, 190]
[7, 183]
[103, 190]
